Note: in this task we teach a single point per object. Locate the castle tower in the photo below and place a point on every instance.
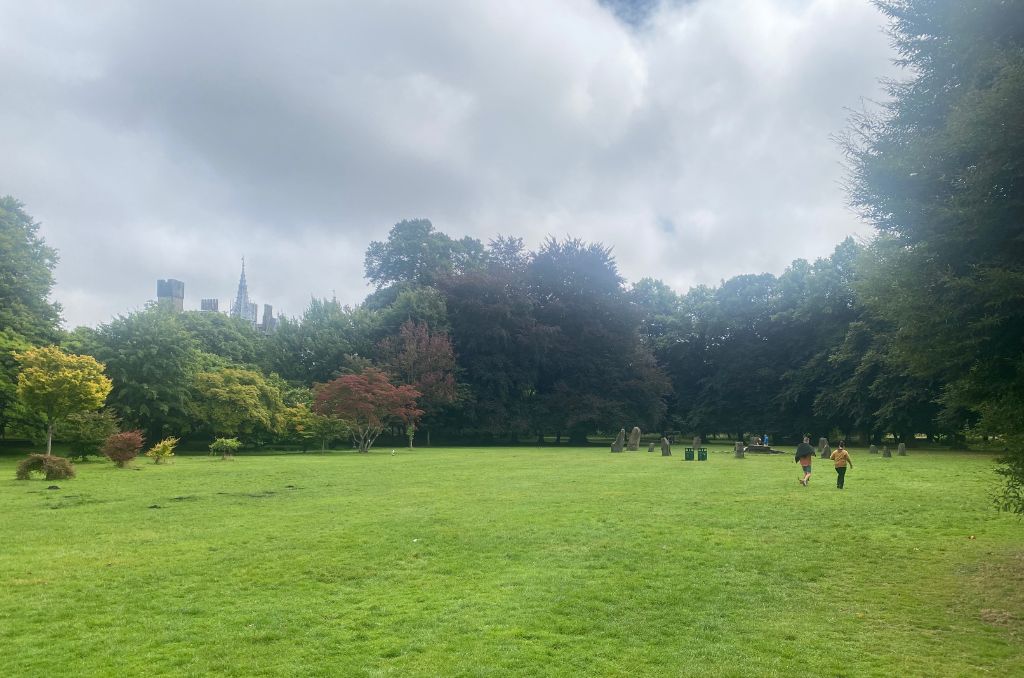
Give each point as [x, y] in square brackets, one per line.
[243, 308]
[210, 305]
[170, 293]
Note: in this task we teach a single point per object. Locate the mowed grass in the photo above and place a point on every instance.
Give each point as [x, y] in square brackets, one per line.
[511, 562]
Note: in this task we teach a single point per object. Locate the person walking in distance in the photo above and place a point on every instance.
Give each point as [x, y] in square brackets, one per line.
[803, 456]
[842, 459]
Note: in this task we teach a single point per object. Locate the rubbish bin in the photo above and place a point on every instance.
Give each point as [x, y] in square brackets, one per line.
[688, 454]
[702, 454]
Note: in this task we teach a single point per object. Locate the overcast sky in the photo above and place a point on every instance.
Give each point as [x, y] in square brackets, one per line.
[169, 139]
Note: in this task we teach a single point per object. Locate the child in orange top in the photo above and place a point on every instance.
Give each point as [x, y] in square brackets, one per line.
[842, 459]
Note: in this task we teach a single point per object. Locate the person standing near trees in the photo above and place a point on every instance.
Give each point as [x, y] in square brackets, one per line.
[842, 459]
[803, 456]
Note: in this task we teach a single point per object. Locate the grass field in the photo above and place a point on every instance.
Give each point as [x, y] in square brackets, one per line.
[511, 562]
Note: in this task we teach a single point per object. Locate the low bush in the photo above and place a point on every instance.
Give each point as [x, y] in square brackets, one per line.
[225, 447]
[162, 450]
[121, 448]
[52, 467]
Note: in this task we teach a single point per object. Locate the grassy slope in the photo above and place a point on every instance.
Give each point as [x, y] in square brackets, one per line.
[511, 562]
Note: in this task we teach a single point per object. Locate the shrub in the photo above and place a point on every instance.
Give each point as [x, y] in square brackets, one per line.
[121, 448]
[225, 447]
[52, 467]
[162, 450]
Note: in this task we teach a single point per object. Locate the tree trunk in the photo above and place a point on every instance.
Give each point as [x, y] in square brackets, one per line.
[49, 438]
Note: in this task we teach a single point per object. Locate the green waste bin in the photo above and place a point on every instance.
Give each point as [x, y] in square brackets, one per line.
[688, 454]
[702, 454]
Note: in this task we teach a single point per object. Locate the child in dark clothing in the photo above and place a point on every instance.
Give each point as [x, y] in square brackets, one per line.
[804, 454]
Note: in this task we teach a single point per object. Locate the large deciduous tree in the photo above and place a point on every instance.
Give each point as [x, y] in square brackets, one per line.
[595, 374]
[369, 402]
[499, 345]
[151, 359]
[416, 254]
[57, 384]
[223, 335]
[325, 341]
[424, 360]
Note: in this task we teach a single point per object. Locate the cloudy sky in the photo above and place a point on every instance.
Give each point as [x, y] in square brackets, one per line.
[167, 139]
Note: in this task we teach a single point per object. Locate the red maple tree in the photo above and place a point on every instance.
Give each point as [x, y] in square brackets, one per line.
[369, 402]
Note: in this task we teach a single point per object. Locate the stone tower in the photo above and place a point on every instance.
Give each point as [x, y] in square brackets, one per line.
[170, 293]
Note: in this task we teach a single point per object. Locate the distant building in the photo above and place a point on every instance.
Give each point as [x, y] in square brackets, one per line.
[269, 323]
[170, 293]
[212, 305]
[243, 308]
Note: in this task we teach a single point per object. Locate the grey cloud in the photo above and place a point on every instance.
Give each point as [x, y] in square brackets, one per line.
[168, 139]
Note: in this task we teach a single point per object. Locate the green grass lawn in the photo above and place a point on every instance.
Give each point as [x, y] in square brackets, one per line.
[511, 562]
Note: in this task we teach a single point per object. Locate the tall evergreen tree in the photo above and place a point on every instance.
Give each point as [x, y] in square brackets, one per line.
[26, 276]
[939, 173]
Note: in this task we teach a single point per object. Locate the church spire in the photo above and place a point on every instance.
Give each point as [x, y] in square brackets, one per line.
[243, 308]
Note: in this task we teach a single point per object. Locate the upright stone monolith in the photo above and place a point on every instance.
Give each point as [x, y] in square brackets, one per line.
[824, 451]
[901, 449]
[650, 448]
[666, 449]
[873, 449]
[620, 441]
[886, 452]
[739, 449]
[634, 439]
[696, 442]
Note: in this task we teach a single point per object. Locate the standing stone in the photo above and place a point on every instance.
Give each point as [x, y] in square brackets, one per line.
[634, 439]
[650, 448]
[755, 441]
[902, 450]
[666, 449]
[886, 452]
[620, 441]
[696, 442]
[824, 451]
[739, 449]
[873, 449]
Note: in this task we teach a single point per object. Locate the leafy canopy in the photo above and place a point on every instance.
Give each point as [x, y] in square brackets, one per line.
[57, 384]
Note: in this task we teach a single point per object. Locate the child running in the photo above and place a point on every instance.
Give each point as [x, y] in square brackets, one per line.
[804, 454]
[842, 459]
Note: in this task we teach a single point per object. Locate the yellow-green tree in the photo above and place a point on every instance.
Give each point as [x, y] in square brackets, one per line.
[57, 384]
[239, 402]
